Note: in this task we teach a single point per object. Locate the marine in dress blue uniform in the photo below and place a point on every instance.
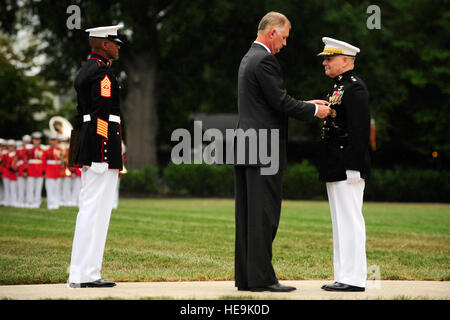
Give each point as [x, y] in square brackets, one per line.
[99, 154]
[345, 164]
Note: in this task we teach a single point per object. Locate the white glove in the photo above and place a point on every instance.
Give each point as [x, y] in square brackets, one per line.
[353, 176]
[99, 167]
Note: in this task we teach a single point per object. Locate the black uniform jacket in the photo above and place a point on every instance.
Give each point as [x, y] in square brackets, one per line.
[263, 101]
[345, 134]
[97, 90]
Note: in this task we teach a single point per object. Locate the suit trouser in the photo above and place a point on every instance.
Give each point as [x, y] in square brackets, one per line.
[34, 191]
[257, 210]
[349, 233]
[96, 198]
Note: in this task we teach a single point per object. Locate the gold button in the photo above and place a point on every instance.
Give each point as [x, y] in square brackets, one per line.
[104, 143]
[106, 150]
[342, 147]
[105, 158]
[118, 133]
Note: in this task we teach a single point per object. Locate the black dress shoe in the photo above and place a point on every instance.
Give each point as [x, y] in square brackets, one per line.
[337, 286]
[277, 287]
[100, 283]
[323, 287]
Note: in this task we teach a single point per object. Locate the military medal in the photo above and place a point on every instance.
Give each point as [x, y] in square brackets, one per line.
[333, 113]
[336, 97]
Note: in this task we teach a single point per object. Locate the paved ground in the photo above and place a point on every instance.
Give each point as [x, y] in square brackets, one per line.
[202, 290]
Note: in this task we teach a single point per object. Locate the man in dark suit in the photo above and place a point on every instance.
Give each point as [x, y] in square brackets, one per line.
[345, 164]
[263, 104]
[99, 153]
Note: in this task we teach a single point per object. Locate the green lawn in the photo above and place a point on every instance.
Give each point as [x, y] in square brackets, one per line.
[193, 239]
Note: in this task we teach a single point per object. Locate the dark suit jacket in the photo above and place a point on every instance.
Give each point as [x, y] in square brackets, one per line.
[263, 101]
[98, 95]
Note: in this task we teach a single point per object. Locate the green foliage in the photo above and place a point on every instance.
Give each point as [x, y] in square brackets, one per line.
[143, 180]
[401, 184]
[300, 181]
[200, 180]
[20, 95]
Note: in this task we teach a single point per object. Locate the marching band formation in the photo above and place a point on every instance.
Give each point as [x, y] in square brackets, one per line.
[26, 164]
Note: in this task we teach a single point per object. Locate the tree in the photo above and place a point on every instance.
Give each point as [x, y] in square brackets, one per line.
[182, 57]
[20, 95]
[148, 24]
[68, 49]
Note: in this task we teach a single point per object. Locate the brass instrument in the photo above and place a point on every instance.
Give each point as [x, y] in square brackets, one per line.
[124, 150]
[62, 127]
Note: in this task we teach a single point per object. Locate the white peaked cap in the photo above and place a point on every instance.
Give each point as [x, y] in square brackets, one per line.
[26, 138]
[53, 136]
[36, 135]
[109, 32]
[335, 47]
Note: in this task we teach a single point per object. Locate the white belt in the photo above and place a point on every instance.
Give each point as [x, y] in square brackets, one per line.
[34, 161]
[53, 161]
[19, 163]
[112, 118]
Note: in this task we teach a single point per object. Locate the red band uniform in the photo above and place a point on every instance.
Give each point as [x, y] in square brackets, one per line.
[36, 162]
[53, 177]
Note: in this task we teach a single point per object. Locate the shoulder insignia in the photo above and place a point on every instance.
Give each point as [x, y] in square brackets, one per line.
[105, 87]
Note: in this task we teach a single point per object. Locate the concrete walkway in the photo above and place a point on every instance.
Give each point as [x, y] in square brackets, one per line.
[205, 290]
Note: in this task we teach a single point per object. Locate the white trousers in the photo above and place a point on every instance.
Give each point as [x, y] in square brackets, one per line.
[2, 192]
[76, 188]
[10, 195]
[116, 195]
[21, 187]
[34, 192]
[6, 192]
[52, 188]
[349, 232]
[66, 191]
[13, 193]
[96, 199]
